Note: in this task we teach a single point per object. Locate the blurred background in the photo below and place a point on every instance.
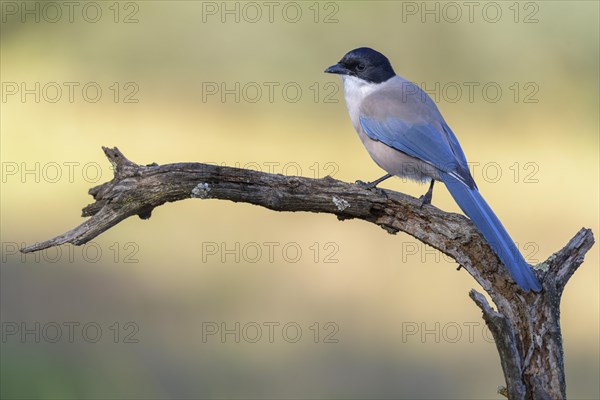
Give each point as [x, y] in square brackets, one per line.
[211, 299]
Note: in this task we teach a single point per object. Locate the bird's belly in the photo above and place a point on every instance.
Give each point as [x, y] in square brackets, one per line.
[396, 162]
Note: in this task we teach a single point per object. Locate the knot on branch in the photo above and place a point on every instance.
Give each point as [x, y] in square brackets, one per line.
[116, 192]
[122, 167]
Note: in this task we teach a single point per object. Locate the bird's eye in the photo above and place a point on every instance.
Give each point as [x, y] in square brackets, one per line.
[360, 67]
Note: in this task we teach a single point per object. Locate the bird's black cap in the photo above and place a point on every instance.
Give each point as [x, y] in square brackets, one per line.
[364, 63]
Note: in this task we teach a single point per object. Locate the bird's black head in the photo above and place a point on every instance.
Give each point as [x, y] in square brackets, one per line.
[364, 63]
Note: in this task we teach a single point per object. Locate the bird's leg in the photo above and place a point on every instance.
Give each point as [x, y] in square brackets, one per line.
[371, 185]
[426, 198]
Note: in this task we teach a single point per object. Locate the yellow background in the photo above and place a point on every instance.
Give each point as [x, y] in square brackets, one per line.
[380, 286]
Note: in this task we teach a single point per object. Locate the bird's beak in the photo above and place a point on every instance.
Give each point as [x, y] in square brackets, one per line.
[337, 69]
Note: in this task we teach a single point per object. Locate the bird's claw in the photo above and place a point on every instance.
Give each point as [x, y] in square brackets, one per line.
[365, 185]
[371, 186]
[425, 199]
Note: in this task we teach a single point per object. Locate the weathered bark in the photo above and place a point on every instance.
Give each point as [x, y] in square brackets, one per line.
[525, 326]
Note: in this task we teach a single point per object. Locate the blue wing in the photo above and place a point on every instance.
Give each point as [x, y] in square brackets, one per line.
[455, 146]
[422, 141]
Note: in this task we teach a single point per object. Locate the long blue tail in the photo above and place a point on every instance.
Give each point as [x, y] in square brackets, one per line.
[473, 204]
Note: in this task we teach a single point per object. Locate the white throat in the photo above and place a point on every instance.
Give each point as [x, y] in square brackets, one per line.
[355, 91]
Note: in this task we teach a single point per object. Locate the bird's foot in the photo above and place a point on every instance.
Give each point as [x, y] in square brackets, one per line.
[366, 185]
[371, 186]
[425, 199]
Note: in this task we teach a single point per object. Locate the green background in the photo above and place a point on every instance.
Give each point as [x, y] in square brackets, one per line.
[535, 162]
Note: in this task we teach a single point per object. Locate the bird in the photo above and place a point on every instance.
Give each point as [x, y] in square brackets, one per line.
[406, 135]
